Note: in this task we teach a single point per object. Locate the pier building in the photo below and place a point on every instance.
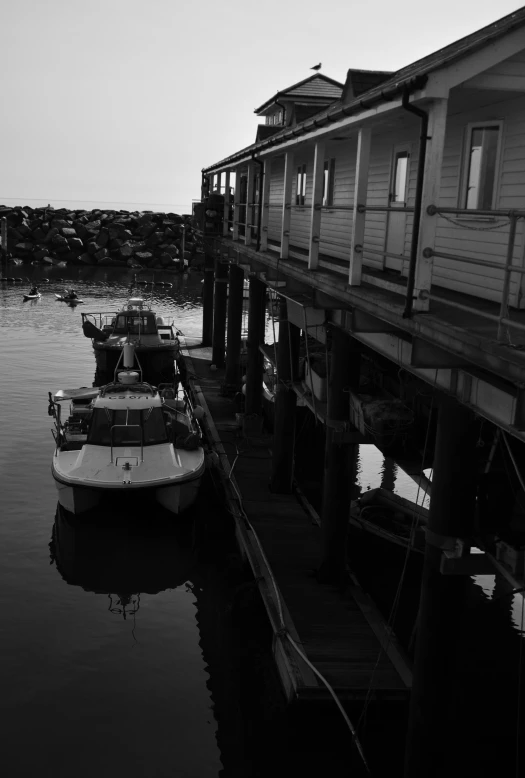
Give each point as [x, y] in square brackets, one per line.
[386, 218]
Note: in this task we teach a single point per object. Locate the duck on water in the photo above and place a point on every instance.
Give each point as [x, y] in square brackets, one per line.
[127, 438]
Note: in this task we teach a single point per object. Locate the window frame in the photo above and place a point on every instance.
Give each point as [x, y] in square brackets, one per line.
[465, 165]
[300, 185]
[328, 182]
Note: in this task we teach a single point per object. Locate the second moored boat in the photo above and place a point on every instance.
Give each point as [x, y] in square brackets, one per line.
[154, 337]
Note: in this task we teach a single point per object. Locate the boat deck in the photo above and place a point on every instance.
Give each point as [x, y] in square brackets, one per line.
[341, 632]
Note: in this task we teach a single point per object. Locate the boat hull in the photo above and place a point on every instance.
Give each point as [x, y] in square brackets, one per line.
[175, 498]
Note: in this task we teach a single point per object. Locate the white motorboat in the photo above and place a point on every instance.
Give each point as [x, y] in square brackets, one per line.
[127, 438]
[154, 337]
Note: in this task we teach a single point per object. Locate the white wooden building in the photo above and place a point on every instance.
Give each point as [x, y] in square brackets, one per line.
[363, 150]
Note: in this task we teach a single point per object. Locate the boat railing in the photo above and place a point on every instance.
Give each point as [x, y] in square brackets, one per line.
[128, 442]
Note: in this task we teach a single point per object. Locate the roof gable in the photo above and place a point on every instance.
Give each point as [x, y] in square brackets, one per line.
[316, 87]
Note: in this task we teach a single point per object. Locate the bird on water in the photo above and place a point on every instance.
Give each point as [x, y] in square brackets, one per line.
[316, 67]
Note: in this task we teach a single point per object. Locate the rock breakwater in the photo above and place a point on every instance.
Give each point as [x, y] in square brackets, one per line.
[136, 239]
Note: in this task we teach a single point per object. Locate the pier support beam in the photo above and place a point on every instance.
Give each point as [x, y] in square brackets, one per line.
[340, 464]
[285, 404]
[219, 313]
[434, 734]
[207, 301]
[254, 372]
[233, 341]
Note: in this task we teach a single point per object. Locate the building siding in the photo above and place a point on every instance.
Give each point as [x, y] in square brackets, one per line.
[470, 237]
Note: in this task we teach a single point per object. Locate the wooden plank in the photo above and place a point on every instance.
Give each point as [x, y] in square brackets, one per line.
[330, 629]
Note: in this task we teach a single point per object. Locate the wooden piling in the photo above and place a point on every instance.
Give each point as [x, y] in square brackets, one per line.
[254, 371]
[232, 377]
[285, 404]
[434, 738]
[207, 301]
[220, 298]
[341, 456]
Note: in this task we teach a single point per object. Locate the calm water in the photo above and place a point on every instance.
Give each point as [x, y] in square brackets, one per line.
[117, 654]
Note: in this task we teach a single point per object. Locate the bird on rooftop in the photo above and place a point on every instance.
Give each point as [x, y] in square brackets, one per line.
[316, 67]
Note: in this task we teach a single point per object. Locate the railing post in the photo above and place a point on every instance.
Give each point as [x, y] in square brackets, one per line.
[236, 204]
[287, 204]
[359, 217]
[437, 120]
[226, 217]
[249, 206]
[317, 202]
[265, 205]
[504, 308]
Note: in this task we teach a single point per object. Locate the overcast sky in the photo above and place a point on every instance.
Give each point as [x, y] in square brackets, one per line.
[124, 101]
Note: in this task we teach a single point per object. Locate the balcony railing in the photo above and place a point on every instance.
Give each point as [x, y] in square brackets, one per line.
[506, 267]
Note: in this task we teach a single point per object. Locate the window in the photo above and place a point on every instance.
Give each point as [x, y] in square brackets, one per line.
[267, 120]
[328, 182]
[300, 191]
[280, 117]
[480, 173]
[150, 421]
[400, 177]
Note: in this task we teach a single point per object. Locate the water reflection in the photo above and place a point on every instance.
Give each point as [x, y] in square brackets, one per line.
[121, 556]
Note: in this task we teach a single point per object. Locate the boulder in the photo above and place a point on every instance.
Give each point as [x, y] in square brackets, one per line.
[126, 250]
[58, 240]
[60, 223]
[101, 254]
[154, 239]
[13, 235]
[86, 259]
[172, 250]
[144, 257]
[146, 229]
[75, 244]
[103, 238]
[38, 234]
[115, 243]
[92, 247]
[139, 246]
[132, 263]
[80, 228]
[24, 229]
[51, 234]
[94, 225]
[68, 232]
[24, 247]
[40, 254]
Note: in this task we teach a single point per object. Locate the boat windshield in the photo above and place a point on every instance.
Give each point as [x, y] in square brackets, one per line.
[150, 420]
[136, 324]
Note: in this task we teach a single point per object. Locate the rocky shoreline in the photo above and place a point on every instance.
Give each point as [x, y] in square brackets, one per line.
[135, 239]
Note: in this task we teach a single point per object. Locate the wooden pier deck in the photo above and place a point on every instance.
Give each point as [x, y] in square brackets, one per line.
[341, 633]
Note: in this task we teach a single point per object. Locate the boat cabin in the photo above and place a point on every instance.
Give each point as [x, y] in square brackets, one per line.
[135, 319]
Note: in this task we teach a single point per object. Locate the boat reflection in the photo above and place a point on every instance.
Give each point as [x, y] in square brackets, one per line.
[122, 556]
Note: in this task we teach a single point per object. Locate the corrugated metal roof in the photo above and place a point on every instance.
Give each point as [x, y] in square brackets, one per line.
[409, 77]
[313, 86]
